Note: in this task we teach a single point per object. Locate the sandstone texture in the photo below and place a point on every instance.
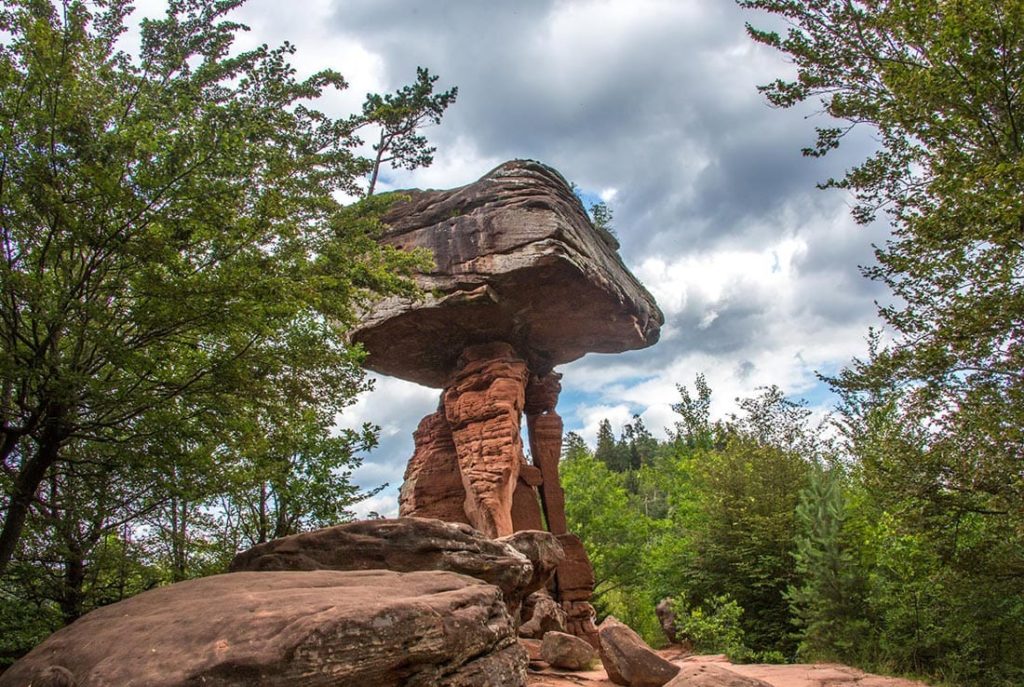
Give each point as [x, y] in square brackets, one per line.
[544, 552]
[312, 628]
[796, 675]
[483, 405]
[712, 675]
[432, 487]
[816, 675]
[410, 544]
[517, 260]
[541, 614]
[562, 650]
[522, 281]
[628, 660]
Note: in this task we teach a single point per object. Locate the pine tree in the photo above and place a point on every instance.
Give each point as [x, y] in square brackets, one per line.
[829, 601]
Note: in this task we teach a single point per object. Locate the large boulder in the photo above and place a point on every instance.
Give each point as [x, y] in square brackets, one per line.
[567, 651]
[409, 544]
[667, 619]
[401, 545]
[516, 260]
[315, 629]
[628, 660]
[544, 552]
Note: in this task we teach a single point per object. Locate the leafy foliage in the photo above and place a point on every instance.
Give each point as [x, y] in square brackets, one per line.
[400, 116]
[706, 515]
[178, 277]
[934, 420]
[830, 598]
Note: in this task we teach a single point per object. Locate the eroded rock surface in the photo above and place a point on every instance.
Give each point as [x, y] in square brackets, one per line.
[404, 545]
[628, 660]
[432, 487]
[562, 650]
[522, 282]
[483, 405]
[544, 552]
[518, 261]
[541, 614]
[313, 628]
[712, 675]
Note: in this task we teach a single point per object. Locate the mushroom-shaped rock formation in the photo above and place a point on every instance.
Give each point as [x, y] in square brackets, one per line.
[517, 260]
[522, 282]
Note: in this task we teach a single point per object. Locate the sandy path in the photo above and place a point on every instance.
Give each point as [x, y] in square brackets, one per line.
[797, 675]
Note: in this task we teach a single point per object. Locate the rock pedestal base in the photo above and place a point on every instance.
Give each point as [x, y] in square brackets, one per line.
[469, 466]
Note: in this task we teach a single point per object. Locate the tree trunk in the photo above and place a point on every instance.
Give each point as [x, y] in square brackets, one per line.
[262, 524]
[381, 147]
[27, 481]
[74, 580]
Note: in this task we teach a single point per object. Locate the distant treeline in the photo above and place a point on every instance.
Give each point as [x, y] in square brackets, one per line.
[783, 539]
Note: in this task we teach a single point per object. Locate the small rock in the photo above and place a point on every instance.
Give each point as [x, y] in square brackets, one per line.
[544, 552]
[532, 647]
[567, 651]
[667, 619]
[542, 615]
[628, 660]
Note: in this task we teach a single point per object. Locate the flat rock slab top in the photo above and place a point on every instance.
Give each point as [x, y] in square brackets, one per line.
[316, 629]
[401, 545]
[517, 260]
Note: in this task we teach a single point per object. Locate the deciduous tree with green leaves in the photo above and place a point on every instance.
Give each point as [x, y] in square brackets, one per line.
[936, 417]
[939, 83]
[171, 241]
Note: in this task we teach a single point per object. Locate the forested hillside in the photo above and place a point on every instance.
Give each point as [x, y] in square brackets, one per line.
[780, 537]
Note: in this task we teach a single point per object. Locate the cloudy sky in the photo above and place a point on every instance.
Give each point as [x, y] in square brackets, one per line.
[651, 105]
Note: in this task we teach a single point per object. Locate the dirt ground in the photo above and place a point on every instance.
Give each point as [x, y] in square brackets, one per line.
[797, 675]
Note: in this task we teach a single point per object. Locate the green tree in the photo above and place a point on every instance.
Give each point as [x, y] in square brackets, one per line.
[737, 509]
[938, 83]
[171, 241]
[295, 477]
[638, 442]
[830, 600]
[694, 427]
[743, 539]
[399, 117]
[597, 510]
[609, 450]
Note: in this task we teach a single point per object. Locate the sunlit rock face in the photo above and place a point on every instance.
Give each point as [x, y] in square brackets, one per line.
[522, 282]
[516, 260]
[315, 628]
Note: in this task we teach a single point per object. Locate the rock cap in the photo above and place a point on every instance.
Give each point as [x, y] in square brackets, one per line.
[517, 260]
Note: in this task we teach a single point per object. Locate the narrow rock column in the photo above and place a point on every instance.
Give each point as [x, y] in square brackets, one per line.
[545, 430]
[574, 578]
[483, 403]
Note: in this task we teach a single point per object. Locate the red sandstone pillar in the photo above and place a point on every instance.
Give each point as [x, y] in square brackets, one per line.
[483, 404]
[432, 487]
[545, 431]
